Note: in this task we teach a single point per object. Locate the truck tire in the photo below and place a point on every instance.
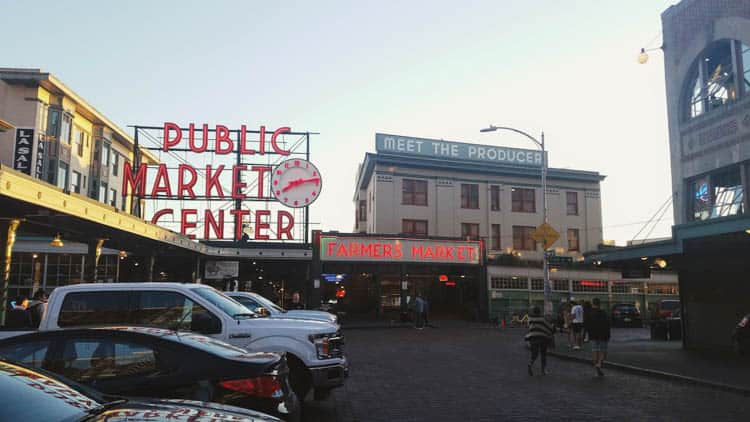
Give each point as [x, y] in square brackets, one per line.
[299, 377]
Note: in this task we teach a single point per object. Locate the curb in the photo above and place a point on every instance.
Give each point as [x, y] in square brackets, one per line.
[660, 374]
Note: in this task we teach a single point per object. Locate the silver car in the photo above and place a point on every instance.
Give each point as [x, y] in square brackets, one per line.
[261, 305]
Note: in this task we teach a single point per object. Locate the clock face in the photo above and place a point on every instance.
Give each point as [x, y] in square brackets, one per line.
[296, 183]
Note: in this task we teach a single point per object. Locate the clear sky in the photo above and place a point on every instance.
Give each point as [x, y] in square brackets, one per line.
[434, 69]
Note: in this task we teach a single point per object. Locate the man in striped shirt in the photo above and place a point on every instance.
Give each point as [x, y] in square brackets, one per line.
[539, 337]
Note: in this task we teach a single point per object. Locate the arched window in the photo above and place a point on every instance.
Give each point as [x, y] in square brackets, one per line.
[712, 83]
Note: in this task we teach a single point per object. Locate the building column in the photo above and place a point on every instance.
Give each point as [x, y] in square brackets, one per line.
[197, 274]
[150, 267]
[404, 287]
[92, 260]
[7, 241]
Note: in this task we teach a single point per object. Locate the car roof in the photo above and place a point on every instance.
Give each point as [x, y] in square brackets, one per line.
[131, 285]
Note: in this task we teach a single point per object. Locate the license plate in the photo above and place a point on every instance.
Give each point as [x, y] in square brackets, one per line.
[626, 319]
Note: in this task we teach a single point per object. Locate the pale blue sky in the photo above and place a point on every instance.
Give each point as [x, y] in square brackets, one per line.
[434, 69]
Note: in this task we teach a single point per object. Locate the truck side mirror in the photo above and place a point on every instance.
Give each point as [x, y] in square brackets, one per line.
[263, 311]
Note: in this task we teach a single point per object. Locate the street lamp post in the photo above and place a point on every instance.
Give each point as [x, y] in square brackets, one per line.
[545, 264]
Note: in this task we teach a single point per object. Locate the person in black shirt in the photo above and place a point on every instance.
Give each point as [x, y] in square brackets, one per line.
[599, 334]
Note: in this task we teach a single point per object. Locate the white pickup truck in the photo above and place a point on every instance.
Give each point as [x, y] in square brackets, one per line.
[313, 348]
[260, 304]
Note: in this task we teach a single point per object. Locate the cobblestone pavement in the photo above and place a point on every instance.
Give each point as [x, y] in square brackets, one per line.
[470, 373]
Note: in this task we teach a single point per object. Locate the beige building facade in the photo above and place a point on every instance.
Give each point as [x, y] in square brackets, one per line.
[471, 195]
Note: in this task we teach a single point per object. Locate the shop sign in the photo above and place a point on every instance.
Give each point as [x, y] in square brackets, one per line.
[294, 183]
[438, 148]
[39, 166]
[22, 154]
[365, 249]
[222, 269]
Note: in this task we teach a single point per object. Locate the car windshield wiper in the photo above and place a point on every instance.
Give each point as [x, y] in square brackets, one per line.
[98, 410]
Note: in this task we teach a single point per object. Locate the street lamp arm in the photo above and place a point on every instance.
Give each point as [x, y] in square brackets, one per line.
[493, 128]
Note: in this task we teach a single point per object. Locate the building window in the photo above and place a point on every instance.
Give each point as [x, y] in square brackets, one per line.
[495, 198]
[537, 284]
[122, 203]
[515, 283]
[105, 155]
[573, 245]
[79, 137]
[113, 197]
[522, 240]
[711, 84]
[115, 162]
[719, 194]
[496, 237]
[524, 200]
[470, 196]
[414, 192]
[62, 175]
[414, 227]
[560, 285]
[572, 202]
[470, 231]
[76, 183]
[589, 286]
[53, 122]
[363, 210]
[103, 192]
[65, 128]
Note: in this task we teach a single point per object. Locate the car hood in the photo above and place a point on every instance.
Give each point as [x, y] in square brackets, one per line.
[305, 314]
[307, 325]
[142, 409]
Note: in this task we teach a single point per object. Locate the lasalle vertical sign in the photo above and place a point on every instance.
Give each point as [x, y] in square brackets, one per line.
[22, 153]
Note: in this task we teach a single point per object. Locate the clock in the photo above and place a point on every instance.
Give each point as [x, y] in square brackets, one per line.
[296, 183]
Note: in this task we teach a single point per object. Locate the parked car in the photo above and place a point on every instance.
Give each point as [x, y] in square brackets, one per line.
[261, 305]
[153, 362]
[28, 394]
[667, 328]
[665, 308]
[741, 335]
[624, 314]
[314, 349]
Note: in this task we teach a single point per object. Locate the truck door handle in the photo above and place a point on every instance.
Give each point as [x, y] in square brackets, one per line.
[241, 335]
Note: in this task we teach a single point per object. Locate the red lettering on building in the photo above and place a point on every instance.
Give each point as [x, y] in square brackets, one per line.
[281, 227]
[243, 142]
[212, 181]
[138, 184]
[209, 222]
[186, 186]
[185, 224]
[158, 214]
[262, 170]
[275, 145]
[191, 138]
[167, 142]
[238, 219]
[261, 225]
[162, 178]
[224, 145]
[237, 183]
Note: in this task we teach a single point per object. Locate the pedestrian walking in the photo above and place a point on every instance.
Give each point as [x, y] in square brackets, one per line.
[599, 333]
[37, 307]
[567, 326]
[539, 338]
[586, 313]
[420, 311]
[577, 313]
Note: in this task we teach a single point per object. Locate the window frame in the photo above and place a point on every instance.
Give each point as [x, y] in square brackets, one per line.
[470, 196]
[495, 237]
[523, 200]
[411, 192]
[76, 187]
[495, 198]
[362, 216]
[466, 229]
[414, 223]
[573, 204]
[577, 236]
[522, 240]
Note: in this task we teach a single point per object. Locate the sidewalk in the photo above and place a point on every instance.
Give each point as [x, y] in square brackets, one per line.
[631, 349]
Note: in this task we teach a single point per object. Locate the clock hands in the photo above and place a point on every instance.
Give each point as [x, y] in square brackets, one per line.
[295, 183]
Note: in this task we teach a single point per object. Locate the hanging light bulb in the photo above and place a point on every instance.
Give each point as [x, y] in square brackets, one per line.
[57, 241]
[643, 57]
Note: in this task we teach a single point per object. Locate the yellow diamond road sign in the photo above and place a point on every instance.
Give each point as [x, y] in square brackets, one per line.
[545, 235]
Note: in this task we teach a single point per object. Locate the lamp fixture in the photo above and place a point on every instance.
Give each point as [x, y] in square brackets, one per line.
[643, 56]
[644, 258]
[747, 231]
[57, 241]
[122, 254]
[660, 262]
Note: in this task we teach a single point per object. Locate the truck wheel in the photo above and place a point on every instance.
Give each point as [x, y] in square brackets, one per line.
[299, 377]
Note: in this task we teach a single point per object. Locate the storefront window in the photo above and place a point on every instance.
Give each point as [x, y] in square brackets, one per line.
[712, 83]
[560, 285]
[573, 244]
[515, 283]
[470, 231]
[719, 194]
[537, 284]
[589, 286]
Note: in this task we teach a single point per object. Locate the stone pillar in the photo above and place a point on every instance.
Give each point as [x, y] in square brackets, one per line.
[92, 260]
[7, 240]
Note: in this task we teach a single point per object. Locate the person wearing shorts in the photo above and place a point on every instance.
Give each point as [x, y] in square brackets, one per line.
[577, 324]
[599, 332]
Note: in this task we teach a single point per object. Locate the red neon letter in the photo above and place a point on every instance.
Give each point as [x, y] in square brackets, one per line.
[184, 224]
[213, 181]
[160, 213]
[170, 143]
[261, 172]
[275, 146]
[137, 184]
[259, 225]
[284, 229]
[262, 141]
[243, 142]
[331, 245]
[183, 186]
[191, 138]
[161, 178]
[210, 222]
[222, 138]
[238, 214]
[237, 184]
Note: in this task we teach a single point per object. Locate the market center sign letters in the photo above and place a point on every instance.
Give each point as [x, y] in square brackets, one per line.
[366, 249]
[295, 182]
[437, 148]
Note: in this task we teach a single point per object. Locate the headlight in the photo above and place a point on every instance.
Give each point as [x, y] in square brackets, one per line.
[322, 345]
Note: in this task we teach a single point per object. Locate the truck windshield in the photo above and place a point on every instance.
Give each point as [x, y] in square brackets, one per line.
[228, 305]
[268, 304]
